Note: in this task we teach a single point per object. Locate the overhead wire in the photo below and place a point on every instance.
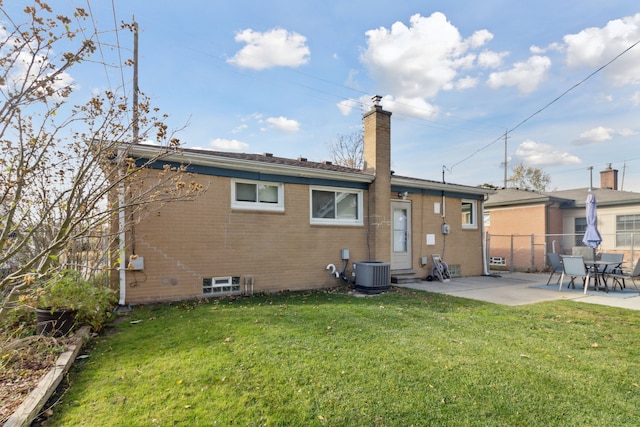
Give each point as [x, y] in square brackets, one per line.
[548, 104]
[99, 43]
[118, 49]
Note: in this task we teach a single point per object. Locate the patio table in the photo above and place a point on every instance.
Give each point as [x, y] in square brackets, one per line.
[594, 266]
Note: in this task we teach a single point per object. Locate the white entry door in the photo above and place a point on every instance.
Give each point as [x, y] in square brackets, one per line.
[401, 232]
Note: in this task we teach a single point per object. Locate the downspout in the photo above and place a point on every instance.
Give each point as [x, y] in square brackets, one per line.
[121, 237]
[485, 265]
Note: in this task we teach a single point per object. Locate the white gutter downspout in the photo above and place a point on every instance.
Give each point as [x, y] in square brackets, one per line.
[485, 266]
[121, 237]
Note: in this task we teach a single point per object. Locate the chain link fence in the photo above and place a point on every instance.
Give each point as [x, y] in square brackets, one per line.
[527, 252]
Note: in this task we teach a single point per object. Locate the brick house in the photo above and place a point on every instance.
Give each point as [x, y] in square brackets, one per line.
[267, 224]
[522, 226]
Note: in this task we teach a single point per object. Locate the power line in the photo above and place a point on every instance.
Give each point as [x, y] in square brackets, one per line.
[95, 29]
[575, 86]
[118, 49]
[548, 104]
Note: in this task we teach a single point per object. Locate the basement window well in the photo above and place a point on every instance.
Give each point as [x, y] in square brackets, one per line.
[213, 286]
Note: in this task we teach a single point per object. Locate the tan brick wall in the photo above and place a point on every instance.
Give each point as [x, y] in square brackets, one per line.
[461, 247]
[377, 161]
[184, 242]
[522, 221]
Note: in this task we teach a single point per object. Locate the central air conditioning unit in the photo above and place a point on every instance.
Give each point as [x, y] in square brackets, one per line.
[372, 277]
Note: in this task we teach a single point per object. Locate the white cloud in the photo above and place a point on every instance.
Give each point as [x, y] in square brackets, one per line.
[274, 48]
[540, 155]
[228, 144]
[480, 38]
[525, 75]
[627, 132]
[240, 128]
[411, 106]
[490, 59]
[595, 135]
[536, 50]
[282, 124]
[351, 79]
[556, 47]
[594, 47]
[466, 83]
[28, 68]
[420, 60]
[347, 105]
[635, 98]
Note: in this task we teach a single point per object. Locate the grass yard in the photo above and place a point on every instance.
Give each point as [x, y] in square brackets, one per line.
[328, 358]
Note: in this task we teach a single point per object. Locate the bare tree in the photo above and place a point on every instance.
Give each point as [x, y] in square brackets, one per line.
[348, 150]
[63, 165]
[529, 178]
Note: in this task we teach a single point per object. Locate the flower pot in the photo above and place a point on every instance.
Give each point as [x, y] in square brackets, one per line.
[57, 323]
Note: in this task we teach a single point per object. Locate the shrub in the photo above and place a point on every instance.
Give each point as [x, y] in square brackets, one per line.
[70, 291]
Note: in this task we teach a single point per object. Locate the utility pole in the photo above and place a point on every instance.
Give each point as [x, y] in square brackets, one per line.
[505, 158]
[135, 82]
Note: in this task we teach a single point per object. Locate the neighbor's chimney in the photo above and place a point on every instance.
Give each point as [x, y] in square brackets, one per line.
[609, 178]
[377, 162]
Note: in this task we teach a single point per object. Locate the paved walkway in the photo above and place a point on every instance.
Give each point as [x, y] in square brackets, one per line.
[525, 288]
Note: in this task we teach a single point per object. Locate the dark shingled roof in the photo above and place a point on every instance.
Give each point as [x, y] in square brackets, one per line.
[270, 158]
[575, 198]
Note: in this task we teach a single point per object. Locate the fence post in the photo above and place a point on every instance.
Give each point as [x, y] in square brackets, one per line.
[533, 254]
[511, 256]
[633, 239]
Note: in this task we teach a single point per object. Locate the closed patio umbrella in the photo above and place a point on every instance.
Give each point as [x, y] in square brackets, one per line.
[592, 235]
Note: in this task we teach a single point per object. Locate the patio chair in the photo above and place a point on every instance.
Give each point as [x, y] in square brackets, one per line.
[612, 258]
[556, 266]
[632, 275]
[573, 266]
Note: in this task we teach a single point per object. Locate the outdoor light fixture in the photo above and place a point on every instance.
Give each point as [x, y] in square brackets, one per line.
[403, 194]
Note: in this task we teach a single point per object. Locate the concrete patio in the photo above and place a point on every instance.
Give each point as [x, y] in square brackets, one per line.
[525, 288]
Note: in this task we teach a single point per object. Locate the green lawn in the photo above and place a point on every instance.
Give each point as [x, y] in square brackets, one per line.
[401, 358]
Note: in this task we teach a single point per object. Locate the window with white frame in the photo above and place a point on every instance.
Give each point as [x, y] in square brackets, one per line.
[469, 214]
[221, 285]
[627, 230]
[338, 207]
[256, 195]
[579, 228]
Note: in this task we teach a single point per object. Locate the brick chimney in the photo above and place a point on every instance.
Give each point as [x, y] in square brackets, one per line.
[609, 178]
[377, 161]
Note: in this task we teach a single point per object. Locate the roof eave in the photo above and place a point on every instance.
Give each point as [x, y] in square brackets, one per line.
[247, 165]
[408, 182]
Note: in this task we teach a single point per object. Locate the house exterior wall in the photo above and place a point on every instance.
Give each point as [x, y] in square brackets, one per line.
[528, 225]
[184, 242]
[461, 249]
[607, 217]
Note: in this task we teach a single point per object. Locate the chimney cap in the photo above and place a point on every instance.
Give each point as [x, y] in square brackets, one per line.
[376, 100]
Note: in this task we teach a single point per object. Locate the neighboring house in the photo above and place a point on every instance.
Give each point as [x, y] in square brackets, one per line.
[522, 226]
[268, 224]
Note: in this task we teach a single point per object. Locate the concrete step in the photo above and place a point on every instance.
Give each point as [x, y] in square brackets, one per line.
[404, 276]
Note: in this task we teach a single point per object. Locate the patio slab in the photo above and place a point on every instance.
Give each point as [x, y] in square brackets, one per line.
[520, 289]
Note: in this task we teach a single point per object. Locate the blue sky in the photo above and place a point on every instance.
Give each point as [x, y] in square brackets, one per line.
[287, 77]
